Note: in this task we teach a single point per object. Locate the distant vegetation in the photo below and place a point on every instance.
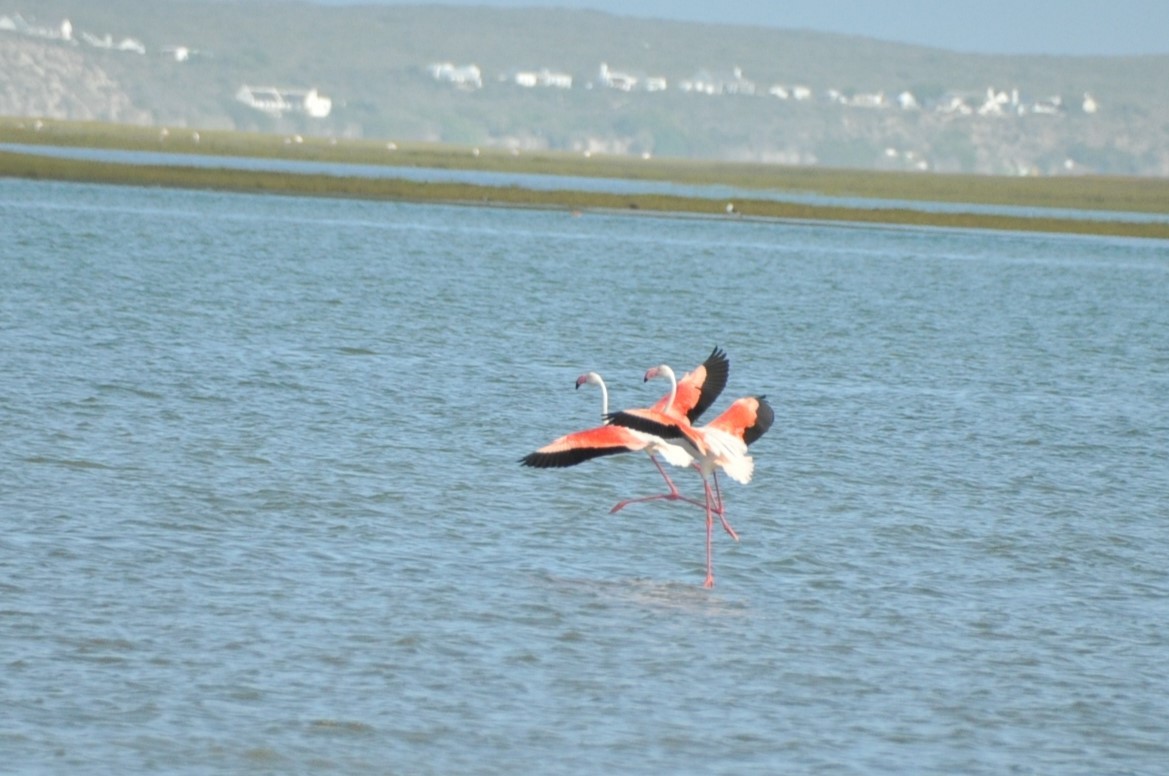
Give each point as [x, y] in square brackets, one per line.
[667, 88]
[1092, 193]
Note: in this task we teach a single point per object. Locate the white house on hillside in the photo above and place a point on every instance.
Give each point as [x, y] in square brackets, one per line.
[530, 79]
[953, 104]
[1050, 107]
[739, 84]
[656, 83]
[132, 45]
[462, 76]
[785, 92]
[277, 102]
[17, 24]
[613, 79]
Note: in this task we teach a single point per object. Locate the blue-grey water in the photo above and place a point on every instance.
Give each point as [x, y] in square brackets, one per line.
[261, 509]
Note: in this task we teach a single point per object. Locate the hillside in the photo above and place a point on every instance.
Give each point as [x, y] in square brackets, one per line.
[671, 89]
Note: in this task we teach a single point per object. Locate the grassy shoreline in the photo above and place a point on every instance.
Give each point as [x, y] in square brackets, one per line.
[1095, 194]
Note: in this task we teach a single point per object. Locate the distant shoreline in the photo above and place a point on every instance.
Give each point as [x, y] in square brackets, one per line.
[1089, 194]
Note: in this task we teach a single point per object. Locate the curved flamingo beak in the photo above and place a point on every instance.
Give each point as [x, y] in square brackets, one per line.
[581, 380]
[651, 373]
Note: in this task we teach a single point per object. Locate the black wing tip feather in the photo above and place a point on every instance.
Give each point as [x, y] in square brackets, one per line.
[564, 458]
[764, 417]
[718, 365]
[717, 362]
[718, 368]
[644, 425]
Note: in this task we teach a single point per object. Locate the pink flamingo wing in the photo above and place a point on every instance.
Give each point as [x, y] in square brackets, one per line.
[748, 418]
[581, 446]
[699, 389]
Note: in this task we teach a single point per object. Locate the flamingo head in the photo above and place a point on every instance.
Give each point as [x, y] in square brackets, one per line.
[591, 378]
[661, 370]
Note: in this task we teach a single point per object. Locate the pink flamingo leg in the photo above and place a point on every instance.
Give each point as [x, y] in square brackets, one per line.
[709, 583]
[673, 495]
[721, 510]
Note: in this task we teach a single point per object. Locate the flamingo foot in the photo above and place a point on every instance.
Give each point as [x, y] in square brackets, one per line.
[727, 527]
[709, 583]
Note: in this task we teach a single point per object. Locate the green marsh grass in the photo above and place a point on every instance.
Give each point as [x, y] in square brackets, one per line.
[1145, 195]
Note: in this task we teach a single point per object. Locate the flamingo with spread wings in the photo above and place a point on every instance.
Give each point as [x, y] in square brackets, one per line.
[720, 444]
[690, 396]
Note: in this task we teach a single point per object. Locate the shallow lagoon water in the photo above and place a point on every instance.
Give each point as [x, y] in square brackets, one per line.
[262, 510]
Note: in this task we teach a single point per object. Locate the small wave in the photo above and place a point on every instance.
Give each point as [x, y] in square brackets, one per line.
[340, 726]
[131, 389]
[69, 463]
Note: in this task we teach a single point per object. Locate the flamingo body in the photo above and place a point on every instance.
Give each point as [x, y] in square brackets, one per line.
[695, 393]
[667, 427]
[720, 444]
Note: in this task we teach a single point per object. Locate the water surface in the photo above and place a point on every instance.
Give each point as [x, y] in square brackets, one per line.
[262, 513]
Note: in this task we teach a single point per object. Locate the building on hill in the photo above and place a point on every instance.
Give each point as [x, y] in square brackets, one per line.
[462, 76]
[615, 79]
[277, 102]
[543, 78]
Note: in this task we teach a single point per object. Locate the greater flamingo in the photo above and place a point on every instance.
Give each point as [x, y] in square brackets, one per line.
[691, 396]
[720, 444]
[676, 455]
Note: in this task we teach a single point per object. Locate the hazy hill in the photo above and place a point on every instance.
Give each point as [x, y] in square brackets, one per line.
[372, 62]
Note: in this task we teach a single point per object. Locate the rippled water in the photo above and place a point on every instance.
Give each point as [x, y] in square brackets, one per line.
[262, 513]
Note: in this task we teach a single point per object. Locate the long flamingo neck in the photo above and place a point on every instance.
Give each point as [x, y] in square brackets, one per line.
[604, 399]
[673, 388]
